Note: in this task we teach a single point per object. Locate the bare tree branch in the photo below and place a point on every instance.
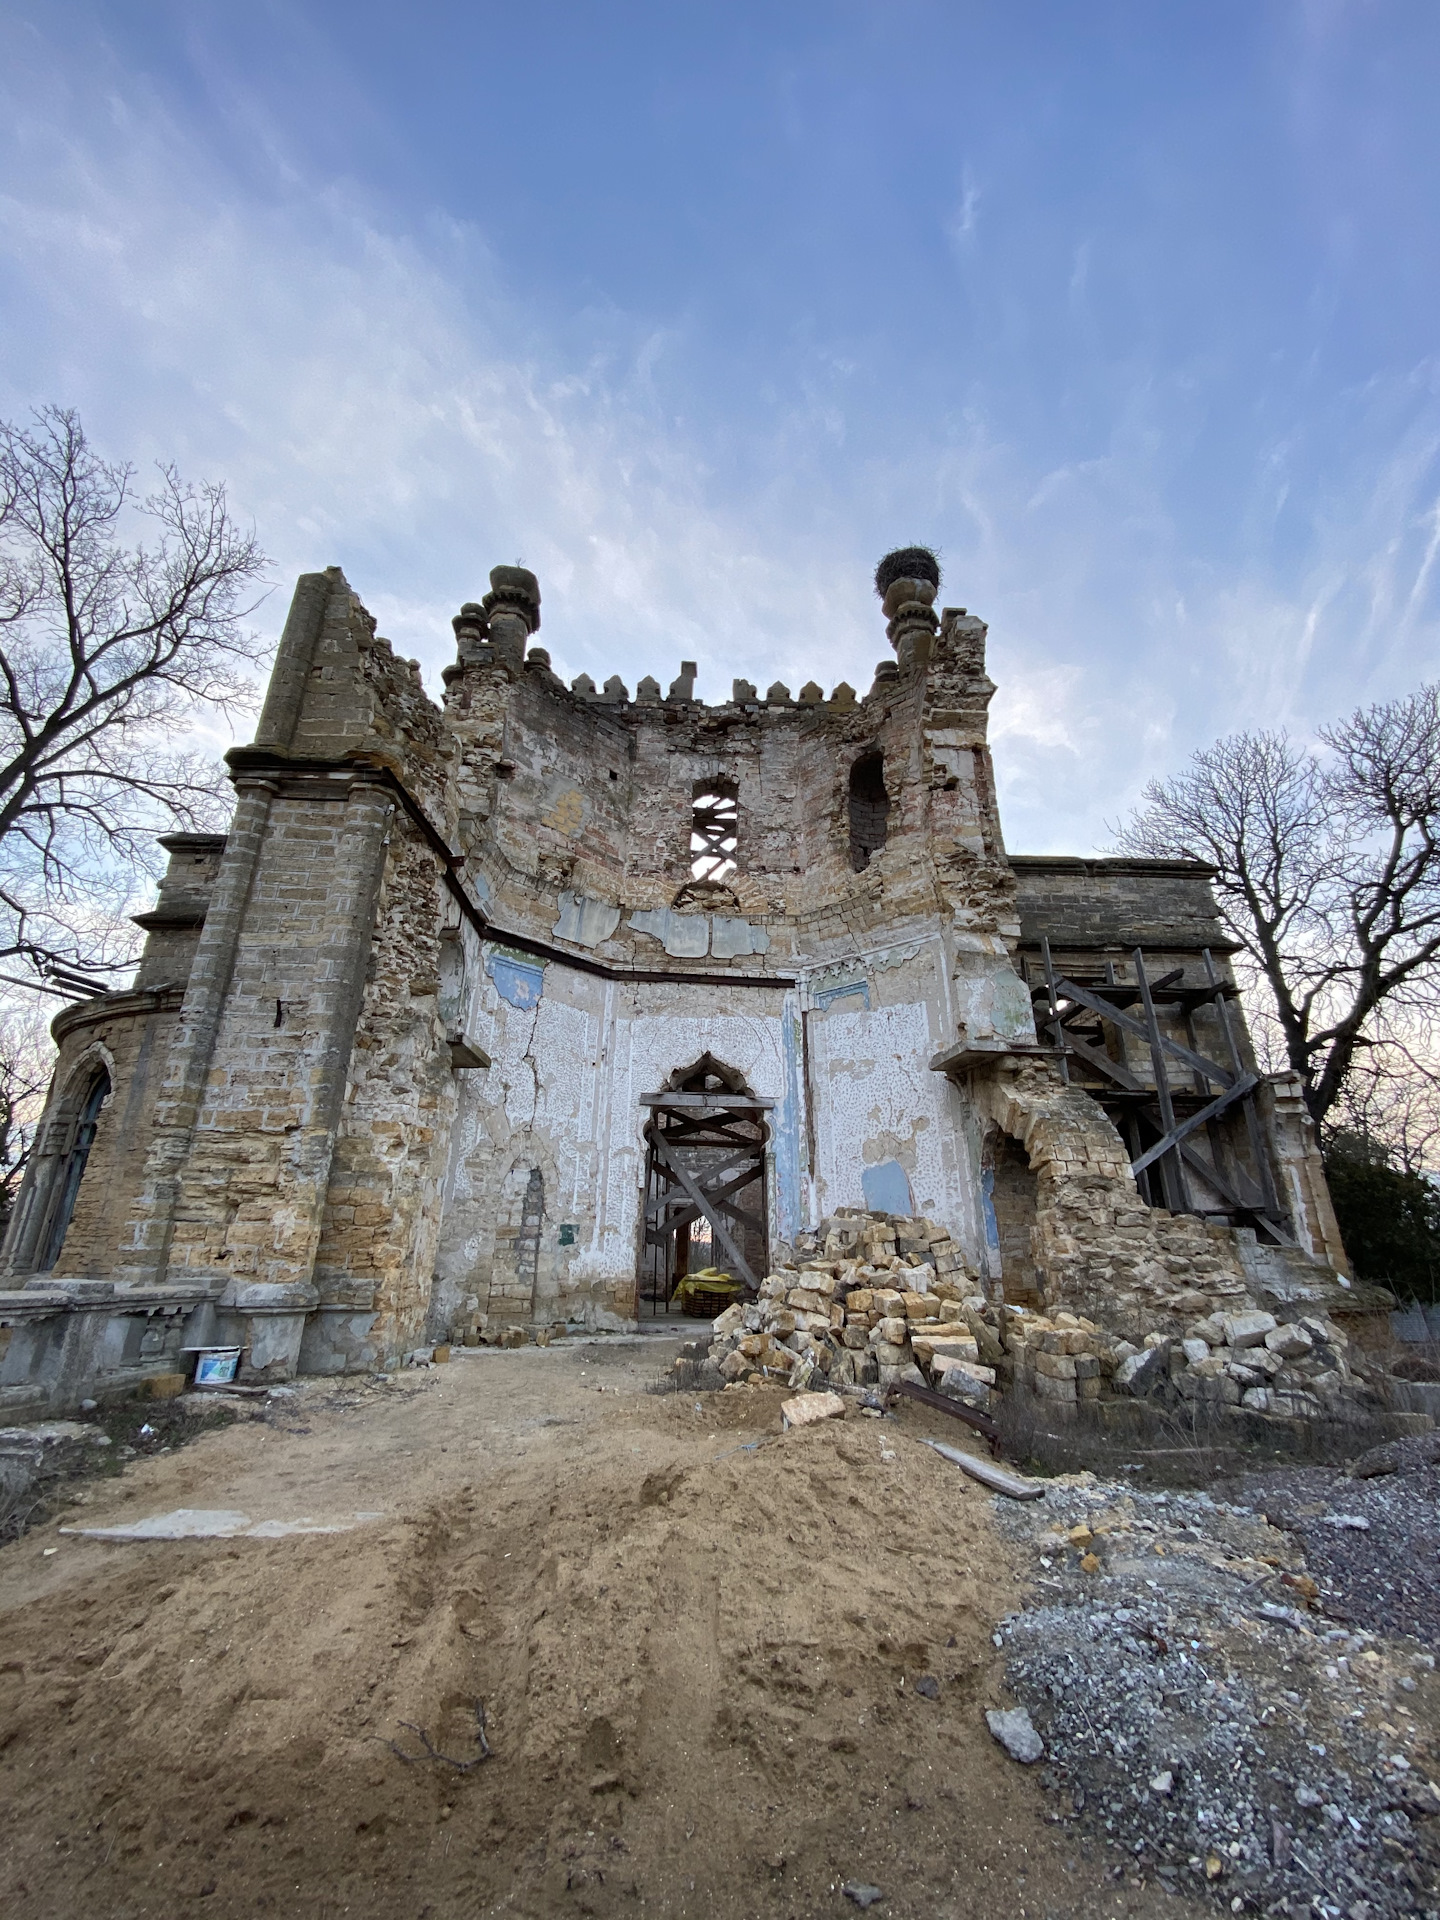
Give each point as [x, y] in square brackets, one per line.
[109, 653]
[1328, 876]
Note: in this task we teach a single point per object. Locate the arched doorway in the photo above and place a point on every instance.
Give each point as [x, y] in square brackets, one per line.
[70, 1167]
[706, 1189]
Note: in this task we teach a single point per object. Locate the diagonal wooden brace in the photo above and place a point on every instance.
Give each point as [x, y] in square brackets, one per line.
[1231, 1094]
[717, 1225]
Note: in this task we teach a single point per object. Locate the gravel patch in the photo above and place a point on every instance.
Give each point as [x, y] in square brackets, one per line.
[1383, 1574]
[1203, 1712]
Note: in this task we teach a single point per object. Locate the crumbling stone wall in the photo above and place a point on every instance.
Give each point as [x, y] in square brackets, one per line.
[409, 892]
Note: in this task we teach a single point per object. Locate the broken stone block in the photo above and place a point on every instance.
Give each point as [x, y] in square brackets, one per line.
[1289, 1342]
[889, 1357]
[736, 1365]
[1195, 1350]
[921, 1306]
[807, 1409]
[1247, 1329]
[514, 1336]
[891, 1332]
[855, 1337]
[1054, 1366]
[952, 1347]
[730, 1321]
[859, 1300]
[805, 1300]
[1048, 1387]
[1141, 1371]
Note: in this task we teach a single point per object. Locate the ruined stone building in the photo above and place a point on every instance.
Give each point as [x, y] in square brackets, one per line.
[509, 1011]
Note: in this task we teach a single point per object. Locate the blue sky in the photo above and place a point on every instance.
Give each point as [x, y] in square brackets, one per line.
[1130, 309]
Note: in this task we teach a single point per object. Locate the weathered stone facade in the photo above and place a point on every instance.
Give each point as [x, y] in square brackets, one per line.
[381, 1074]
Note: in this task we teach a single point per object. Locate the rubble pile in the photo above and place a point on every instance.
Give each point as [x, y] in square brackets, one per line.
[871, 1299]
[1248, 1361]
[878, 1300]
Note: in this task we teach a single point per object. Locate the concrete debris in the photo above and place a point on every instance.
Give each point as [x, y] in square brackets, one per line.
[1200, 1712]
[1016, 1733]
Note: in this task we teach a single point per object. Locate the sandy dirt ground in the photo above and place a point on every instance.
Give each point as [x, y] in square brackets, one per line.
[697, 1642]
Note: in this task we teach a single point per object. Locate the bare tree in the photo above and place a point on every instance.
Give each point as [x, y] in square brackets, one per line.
[109, 652]
[1328, 876]
[27, 1056]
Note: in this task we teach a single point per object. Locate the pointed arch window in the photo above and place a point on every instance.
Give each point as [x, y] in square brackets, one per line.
[66, 1190]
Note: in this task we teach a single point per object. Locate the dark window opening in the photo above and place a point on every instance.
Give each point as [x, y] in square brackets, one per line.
[869, 809]
[72, 1167]
[713, 830]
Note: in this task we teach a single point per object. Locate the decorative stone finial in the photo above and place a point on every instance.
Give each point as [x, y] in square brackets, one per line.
[811, 695]
[583, 687]
[512, 608]
[683, 687]
[907, 581]
[648, 691]
[843, 696]
[741, 693]
[778, 694]
[616, 692]
[471, 631]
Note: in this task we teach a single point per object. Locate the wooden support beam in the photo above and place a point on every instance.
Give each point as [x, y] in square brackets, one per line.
[1210, 1068]
[717, 1225]
[1175, 1134]
[1172, 1171]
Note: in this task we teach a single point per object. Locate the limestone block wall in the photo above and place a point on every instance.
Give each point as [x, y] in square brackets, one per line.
[381, 1219]
[128, 1036]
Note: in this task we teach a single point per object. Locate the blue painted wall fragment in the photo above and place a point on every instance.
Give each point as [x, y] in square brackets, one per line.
[825, 997]
[887, 1188]
[987, 1206]
[520, 982]
[786, 1120]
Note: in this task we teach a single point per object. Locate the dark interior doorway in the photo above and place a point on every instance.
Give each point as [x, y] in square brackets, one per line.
[706, 1199]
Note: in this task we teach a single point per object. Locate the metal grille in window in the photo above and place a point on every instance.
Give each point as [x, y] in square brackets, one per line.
[713, 831]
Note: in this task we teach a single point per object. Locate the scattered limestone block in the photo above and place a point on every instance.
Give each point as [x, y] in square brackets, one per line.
[1055, 1366]
[1247, 1329]
[944, 1345]
[1289, 1342]
[921, 1306]
[730, 1321]
[808, 1408]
